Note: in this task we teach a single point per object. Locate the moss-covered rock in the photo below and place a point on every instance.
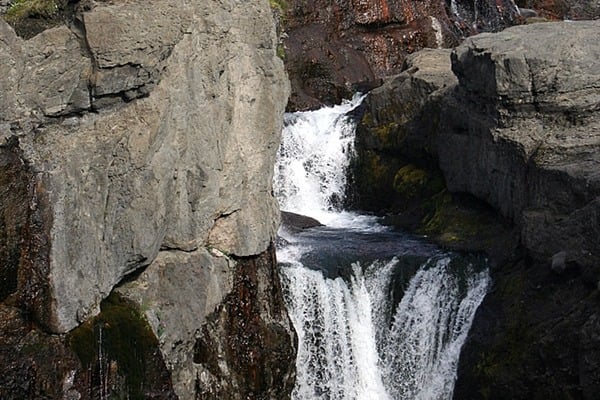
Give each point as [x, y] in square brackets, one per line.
[22, 9]
[30, 17]
[410, 181]
[120, 354]
[372, 181]
[462, 222]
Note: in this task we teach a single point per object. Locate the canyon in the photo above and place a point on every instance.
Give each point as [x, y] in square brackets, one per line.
[137, 215]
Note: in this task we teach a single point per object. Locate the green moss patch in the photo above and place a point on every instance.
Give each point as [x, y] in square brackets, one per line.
[280, 5]
[459, 225]
[121, 353]
[410, 181]
[22, 9]
[30, 17]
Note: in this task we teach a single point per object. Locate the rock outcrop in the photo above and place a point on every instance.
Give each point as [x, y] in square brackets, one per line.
[335, 49]
[518, 128]
[532, 131]
[142, 137]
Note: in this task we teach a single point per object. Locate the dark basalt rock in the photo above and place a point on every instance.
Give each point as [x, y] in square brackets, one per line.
[251, 330]
[35, 365]
[120, 355]
[298, 222]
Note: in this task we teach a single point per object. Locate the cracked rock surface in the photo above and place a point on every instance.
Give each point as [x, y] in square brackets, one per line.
[139, 137]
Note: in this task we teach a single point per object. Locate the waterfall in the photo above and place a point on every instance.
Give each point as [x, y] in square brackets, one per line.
[311, 167]
[379, 314]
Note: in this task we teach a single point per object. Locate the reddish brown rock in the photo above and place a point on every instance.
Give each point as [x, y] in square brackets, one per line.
[335, 49]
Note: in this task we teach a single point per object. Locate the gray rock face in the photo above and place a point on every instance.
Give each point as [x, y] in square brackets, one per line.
[139, 143]
[532, 133]
[129, 44]
[177, 292]
[186, 166]
[398, 106]
[519, 129]
[4, 5]
[234, 347]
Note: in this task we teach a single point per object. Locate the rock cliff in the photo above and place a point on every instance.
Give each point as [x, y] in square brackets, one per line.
[513, 120]
[136, 151]
[335, 49]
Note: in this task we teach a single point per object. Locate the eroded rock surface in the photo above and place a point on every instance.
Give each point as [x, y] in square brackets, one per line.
[528, 119]
[335, 49]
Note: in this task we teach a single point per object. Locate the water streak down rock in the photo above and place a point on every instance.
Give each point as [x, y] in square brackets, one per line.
[139, 136]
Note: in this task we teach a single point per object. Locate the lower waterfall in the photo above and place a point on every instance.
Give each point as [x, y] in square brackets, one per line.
[379, 314]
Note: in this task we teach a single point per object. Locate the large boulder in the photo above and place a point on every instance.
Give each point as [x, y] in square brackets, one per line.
[527, 117]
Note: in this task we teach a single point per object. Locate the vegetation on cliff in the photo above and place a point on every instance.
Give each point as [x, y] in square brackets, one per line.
[120, 354]
[30, 17]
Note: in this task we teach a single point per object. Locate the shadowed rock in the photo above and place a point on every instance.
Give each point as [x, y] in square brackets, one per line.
[298, 222]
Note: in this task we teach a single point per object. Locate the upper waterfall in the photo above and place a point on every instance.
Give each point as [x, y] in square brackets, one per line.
[311, 168]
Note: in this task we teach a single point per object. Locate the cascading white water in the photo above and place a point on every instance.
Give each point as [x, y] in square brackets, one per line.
[430, 325]
[355, 339]
[311, 167]
[337, 353]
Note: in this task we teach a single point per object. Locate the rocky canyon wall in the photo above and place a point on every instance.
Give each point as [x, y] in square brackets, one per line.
[136, 149]
[333, 49]
[508, 122]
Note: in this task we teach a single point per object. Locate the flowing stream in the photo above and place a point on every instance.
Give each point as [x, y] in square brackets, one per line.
[379, 314]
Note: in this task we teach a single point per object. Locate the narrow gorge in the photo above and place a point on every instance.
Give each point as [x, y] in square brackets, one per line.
[437, 170]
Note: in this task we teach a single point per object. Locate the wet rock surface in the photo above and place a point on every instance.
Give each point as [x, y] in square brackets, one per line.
[252, 329]
[35, 365]
[176, 294]
[297, 222]
[518, 129]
